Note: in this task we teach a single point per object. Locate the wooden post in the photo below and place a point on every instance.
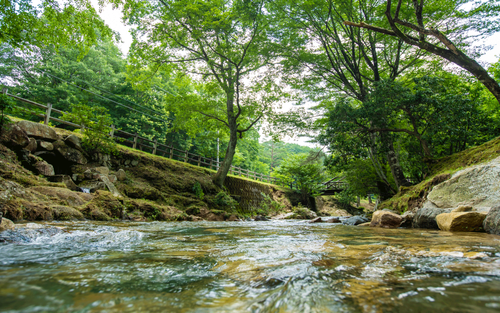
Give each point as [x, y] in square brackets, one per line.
[211, 161]
[155, 145]
[47, 114]
[112, 132]
[186, 157]
[171, 150]
[135, 141]
[199, 160]
[254, 176]
[240, 172]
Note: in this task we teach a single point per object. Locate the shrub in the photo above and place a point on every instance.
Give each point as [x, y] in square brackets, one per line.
[97, 126]
[198, 191]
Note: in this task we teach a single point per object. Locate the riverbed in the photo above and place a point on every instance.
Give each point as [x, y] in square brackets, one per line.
[275, 266]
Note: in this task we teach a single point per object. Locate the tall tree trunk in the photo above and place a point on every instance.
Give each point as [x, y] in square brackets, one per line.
[221, 174]
[392, 158]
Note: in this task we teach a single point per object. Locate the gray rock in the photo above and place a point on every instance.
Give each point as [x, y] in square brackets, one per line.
[16, 137]
[478, 186]
[407, 219]
[101, 170]
[44, 168]
[355, 220]
[74, 142]
[121, 175]
[134, 163]
[38, 130]
[491, 223]
[261, 218]
[112, 178]
[71, 154]
[110, 186]
[32, 145]
[426, 217]
[45, 145]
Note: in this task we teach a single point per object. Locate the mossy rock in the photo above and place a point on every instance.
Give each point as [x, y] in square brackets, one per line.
[65, 213]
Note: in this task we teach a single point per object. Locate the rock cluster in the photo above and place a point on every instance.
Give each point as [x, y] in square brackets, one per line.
[46, 153]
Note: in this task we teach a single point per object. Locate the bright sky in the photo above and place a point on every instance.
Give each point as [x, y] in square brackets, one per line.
[114, 19]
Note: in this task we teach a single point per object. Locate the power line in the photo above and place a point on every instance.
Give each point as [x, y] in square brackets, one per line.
[105, 91]
[162, 120]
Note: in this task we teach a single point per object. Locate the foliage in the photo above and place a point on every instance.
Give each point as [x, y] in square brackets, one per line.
[224, 42]
[345, 198]
[226, 201]
[97, 126]
[198, 191]
[269, 206]
[305, 172]
[24, 23]
[6, 103]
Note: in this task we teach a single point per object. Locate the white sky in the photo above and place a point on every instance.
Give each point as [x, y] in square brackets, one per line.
[114, 19]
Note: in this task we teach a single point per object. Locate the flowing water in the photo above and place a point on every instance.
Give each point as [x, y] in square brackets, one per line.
[276, 266]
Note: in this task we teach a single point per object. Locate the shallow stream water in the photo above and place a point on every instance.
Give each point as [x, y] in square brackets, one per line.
[276, 266]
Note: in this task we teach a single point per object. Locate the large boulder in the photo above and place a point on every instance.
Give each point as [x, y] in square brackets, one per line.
[32, 145]
[6, 224]
[38, 130]
[461, 221]
[45, 145]
[44, 168]
[16, 137]
[407, 219]
[478, 186]
[426, 217]
[70, 154]
[74, 142]
[491, 223]
[121, 175]
[385, 219]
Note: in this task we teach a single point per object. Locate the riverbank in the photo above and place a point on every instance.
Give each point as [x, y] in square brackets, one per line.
[44, 173]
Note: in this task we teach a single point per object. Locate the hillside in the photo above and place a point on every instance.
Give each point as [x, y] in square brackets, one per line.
[410, 198]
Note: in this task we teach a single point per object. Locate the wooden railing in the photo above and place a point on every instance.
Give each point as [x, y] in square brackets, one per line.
[147, 145]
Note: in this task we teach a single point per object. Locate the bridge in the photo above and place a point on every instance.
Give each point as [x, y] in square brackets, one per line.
[334, 185]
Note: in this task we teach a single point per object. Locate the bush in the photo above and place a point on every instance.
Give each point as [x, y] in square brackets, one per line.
[198, 191]
[345, 198]
[224, 200]
[268, 205]
[97, 124]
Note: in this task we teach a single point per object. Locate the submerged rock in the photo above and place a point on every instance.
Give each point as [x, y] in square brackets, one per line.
[261, 218]
[491, 223]
[426, 217]
[334, 220]
[316, 220]
[461, 221]
[385, 219]
[6, 224]
[355, 220]
[407, 219]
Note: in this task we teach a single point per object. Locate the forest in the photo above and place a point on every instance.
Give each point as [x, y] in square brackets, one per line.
[383, 88]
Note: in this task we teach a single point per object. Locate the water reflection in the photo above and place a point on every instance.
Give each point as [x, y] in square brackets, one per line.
[277, 266]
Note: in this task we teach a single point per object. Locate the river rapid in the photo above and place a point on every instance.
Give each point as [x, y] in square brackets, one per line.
[275, 266]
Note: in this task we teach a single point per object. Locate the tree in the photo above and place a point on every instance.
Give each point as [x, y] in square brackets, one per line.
[327, 59]
[421, 29]
[305, 171]
[223, 42]
[73, 22]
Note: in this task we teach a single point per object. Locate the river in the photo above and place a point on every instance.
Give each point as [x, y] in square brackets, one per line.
[275, 266]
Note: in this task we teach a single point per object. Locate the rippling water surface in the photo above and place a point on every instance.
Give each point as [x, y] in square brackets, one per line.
[277, 266]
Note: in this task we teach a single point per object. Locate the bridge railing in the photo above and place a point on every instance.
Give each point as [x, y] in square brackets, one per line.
[143, 144]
